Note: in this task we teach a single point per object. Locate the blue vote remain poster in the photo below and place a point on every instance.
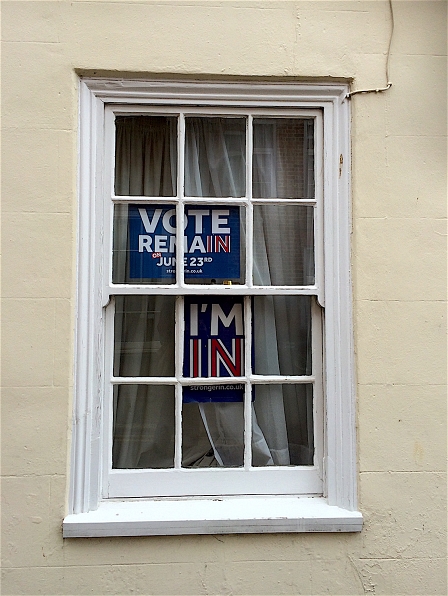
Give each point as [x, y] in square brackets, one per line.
[214, 346]
[211, 242]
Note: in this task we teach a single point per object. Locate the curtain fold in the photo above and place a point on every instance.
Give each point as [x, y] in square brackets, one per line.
[215, 157]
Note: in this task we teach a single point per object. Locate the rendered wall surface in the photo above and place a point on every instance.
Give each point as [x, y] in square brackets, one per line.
[399, 286]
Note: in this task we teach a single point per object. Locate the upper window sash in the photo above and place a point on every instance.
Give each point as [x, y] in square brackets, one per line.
[247, 204]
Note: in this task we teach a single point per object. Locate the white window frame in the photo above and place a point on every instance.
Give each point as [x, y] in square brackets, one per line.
[91, 510]
[121, 483]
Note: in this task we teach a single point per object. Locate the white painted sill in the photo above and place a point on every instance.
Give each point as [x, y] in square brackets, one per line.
[218, 515]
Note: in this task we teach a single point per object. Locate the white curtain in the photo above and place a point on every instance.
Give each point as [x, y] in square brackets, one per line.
[215, 157]
[282, 425]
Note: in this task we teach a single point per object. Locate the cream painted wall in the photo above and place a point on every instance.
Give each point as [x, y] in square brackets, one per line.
[399, 275]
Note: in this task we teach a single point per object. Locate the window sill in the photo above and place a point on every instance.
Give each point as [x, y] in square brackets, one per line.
[222, 515]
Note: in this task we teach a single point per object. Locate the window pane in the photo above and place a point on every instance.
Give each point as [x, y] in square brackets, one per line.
[214, 244]
[143, 432]
[282, 335]
[282, 430]
[213, 435]
[146, 156]
[144, 244]
[213, 343]
[283, 158]
[283, 245]
[215, 157]
[144, 336]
